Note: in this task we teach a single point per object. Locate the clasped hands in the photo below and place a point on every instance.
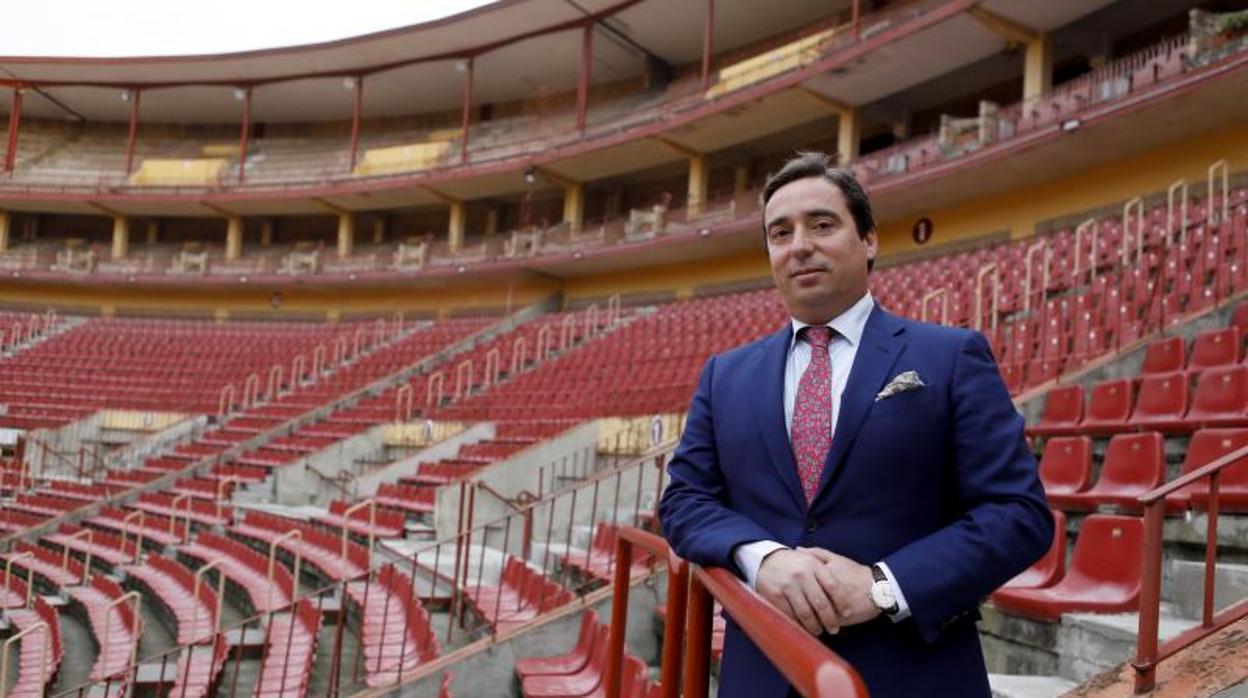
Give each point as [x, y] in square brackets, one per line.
[819, 589]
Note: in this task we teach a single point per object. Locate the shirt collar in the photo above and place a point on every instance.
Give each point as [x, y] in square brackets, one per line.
[849, 324]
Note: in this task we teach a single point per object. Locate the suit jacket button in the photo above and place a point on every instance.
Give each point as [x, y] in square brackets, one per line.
[811, 526]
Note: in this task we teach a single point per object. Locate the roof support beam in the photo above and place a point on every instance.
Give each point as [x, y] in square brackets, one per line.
[244, 135]
[466, 117]
[1009, 29]
[356, 107]
[582, 85]
[708, 42]
[15, 123]
[135, 94]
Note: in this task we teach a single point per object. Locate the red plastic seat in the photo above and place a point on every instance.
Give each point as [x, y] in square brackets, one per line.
[1215, 348]
[1162, 403]
[1104, 575]
[1049, 569]
[563, 665]
[1207, 445]
[1221, 398]
[1066, 464]
[1164, 356]
[1239, 318]
[1109, 407]
[1063, 410]
[1134, 464]
[588, 678]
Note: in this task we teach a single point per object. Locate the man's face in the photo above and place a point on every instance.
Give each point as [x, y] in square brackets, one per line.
[817, 258]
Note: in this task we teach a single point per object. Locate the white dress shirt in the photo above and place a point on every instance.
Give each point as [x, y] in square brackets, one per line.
[843, 347]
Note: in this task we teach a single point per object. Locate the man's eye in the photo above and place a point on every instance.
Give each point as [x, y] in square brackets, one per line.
[824, 224]
[777, 233]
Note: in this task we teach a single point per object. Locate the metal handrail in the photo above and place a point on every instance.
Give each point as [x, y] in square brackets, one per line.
[8, 576]
[135, 600]
[89, 534]
[1210, 218]
[272, 562]
[1148, 652]
[199, 577]
[628, 538]
[43, 655]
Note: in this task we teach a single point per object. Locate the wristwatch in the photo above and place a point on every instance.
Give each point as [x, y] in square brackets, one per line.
[882, 592]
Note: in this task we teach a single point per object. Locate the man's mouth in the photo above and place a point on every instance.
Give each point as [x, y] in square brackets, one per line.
[800, 273]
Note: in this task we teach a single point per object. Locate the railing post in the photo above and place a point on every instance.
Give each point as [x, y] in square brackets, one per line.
[518, 350]
[134, 600]
[463, 387]
[223, 491]
[371, 505]
[1150, 598]
[199, 577]
[273, 544]
[125, 528]
[89, 534]
[619, 616]
[990, 268]
[8, 578]
[1179, 185]
[1135, 206]
[7, 650]
[297, 367]
[275, 381]
[173, 516]
[251, 390]
[226, 406]
[1210, 212]
[698, 640]
[403, 403]
[943, 295]
[438, 378]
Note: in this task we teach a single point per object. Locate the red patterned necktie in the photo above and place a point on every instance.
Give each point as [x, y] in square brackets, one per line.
[812, 411]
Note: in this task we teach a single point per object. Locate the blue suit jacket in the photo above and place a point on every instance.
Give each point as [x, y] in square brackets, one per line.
[937, 482]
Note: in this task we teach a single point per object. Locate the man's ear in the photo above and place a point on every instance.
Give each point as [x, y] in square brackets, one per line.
[872, 242]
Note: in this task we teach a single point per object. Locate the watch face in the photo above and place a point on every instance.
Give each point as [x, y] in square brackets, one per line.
[882, 595]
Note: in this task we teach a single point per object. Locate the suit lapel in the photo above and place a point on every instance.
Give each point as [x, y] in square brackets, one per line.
[769, 413]
[877, 353]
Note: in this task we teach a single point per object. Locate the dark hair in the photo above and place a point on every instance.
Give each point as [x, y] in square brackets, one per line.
[812, 164]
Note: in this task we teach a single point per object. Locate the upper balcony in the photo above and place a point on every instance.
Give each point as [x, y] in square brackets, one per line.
[617, 90]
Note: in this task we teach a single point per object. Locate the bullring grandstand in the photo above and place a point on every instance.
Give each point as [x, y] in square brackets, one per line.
[353, 368]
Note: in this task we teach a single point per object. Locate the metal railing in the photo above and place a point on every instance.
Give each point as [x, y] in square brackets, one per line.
[812, 668]
[446, 567]
[1149, 653]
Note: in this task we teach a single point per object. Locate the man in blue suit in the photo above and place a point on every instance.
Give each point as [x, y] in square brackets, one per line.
[865, 473]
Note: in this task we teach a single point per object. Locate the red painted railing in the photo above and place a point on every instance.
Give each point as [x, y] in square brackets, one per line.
[1148, 651]
[812, 668]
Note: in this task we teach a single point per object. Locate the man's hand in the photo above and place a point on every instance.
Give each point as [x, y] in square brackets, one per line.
[851, 587]
[800, 584]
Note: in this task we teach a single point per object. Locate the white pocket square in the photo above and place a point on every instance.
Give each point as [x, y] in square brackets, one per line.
[901, 383]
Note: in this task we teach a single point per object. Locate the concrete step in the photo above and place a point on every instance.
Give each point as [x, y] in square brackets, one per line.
[1016, 686]
[1186, 586]
[1090, 643]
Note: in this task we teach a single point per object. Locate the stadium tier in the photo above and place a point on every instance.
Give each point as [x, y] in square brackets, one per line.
[311, 384]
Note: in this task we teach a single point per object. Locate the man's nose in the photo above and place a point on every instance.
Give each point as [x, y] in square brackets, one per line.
[802, 245]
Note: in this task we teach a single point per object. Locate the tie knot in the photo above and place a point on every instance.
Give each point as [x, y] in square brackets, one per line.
[817, 337]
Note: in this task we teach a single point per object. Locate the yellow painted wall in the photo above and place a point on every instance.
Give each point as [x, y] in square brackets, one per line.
[682, 278]
[1019, 211]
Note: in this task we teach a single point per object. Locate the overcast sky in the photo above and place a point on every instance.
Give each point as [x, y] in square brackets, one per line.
[111, 28]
